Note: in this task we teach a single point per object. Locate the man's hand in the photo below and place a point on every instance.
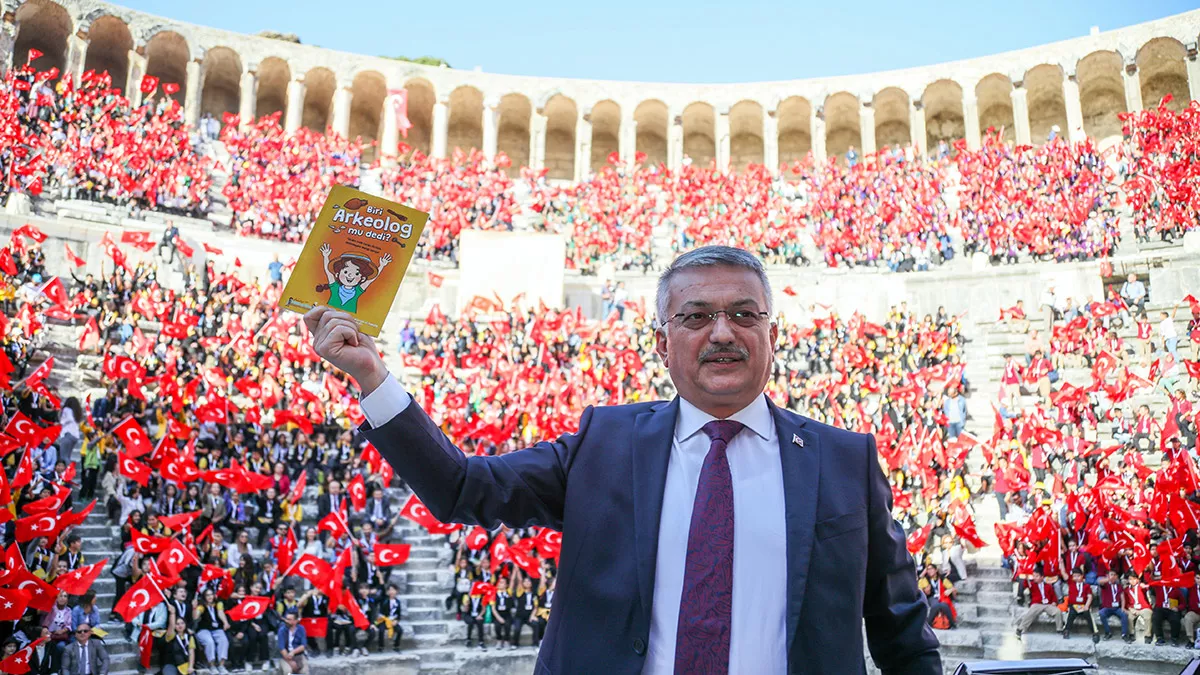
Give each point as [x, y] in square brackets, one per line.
[336, 339]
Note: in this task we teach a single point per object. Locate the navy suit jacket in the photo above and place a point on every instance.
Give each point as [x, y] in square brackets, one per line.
[602, 487]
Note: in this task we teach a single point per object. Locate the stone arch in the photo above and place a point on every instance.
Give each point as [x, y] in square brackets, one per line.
[367, 92]
[994, 96]
[421, 97]
[745, 135]
[319, 84]
[222, 82]
[45, 26]
[892, 119]
[1047, 107]
[698, 130]
[562, 116]
[512, 130]
[652, 118]
[273, 77]
[795, 129]
[943, 101]
[1162, 71]
[109, 42]
[606, 132]
[1101, 93]
[842, 126]
[167, 56]
[466, 119]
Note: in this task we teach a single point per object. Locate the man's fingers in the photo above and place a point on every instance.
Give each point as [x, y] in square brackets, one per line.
[342, 334]
[312, 318]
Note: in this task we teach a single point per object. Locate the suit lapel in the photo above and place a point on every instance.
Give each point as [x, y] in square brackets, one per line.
[652, 432]
[801, 472]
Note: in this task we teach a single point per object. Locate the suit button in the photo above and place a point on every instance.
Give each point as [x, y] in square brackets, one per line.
[639, 646]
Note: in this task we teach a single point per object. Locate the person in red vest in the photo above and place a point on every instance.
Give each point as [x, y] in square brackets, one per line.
[1167, 602]
[1192, 615]
[1112, 603]
[1042, 600]
[1137, 606]
[1079, 600]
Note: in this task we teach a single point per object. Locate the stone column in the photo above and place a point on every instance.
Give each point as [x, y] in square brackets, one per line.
[771, 141]
[390, 138]
[866, 126]
[1133, 86]
[1075, 131]
[341, 111]
[916, 127]
[627, 137]
[133, 79]
[76, 56]
[721, 134]
[1193, 72]
[491, 115]
[583, 144]
[249, 99]
[817, 133]
[8, 40]
[295, 106]
[537, 140]
[191, 99]
[675, 143]
[971, 120]
[441, 128]
[1020, 113]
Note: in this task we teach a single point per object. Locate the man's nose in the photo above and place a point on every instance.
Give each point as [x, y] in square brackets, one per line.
[722, 329]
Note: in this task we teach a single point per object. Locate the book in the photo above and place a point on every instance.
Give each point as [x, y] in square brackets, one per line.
[355, 257]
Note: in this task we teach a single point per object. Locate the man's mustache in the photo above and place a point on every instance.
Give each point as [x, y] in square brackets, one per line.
[729, 351]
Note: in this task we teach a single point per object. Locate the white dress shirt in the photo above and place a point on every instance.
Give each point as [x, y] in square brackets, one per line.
[758, 642]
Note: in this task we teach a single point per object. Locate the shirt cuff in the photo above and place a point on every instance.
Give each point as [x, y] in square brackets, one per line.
[388, 400]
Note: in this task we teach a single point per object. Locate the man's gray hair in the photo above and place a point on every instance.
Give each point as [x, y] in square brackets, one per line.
[709, 256]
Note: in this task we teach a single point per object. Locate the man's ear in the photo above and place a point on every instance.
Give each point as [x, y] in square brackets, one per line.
[660, 345]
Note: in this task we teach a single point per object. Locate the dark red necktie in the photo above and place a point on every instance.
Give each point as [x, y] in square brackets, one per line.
[706, 606]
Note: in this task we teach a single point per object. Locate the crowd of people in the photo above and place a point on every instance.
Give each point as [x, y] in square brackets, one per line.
[889, 209]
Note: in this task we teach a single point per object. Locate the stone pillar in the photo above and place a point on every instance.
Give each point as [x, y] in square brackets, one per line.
[1075, 131]
[583, 145]
[537, 140]
[390, 138]
[1193, 72]
[295, 106]
[721, 134]
[1020, 113]
[76, 56]
[191, 100]
[133, 79]
[866, 126]
[341, 111]
[771, 141]
[675, 143]
[971, 120]
[627, 137]
[491, 115]
[249, 99]
[8, 40]
[916, 127]
[441, 128]
[817, 132]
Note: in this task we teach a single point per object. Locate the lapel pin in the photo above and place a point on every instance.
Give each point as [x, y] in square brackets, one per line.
[797, 440]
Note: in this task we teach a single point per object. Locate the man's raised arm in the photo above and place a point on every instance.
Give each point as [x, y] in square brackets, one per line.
[520, 488]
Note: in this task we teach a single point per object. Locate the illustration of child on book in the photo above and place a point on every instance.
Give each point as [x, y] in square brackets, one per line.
[349, 276]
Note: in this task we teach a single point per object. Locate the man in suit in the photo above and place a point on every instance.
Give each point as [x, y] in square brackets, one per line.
[730, 500]
[85, 656]
[331, 500]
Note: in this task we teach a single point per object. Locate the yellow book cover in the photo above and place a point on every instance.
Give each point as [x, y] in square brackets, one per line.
[355, 257]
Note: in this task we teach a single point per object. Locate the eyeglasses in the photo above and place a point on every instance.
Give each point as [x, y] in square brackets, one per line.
[81, 631]
[745, 318]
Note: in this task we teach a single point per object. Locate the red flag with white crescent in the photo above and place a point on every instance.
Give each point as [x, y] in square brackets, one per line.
[388, 555]
[251, 607]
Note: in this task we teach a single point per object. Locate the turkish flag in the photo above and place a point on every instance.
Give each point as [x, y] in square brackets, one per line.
[176, 558]
[137, 237]
[24, 472]
[477, 538]
[357, 489]
[310, 567]
[526, 562]
[351, 604]
[41, 594]
[213, 572]
[334, 523]
[133, 469]
[49, 504]
[501, 552]
[435, 280]
[916, 540]
[28, 230]
[77, 581]
[13, 603]
[140, 597]
[145, 544]
[33, 55]
[211, 249]
[488, 591]
[250, 387]
[122, 368]
[149, 84]
[297, 492]
[1193, 369]
[37, 525]
[415, 511]
[24, 430]
[18, 663]
[133, 437]
[251, 607]
[184, 248]
[388, 555]
[180, 470]
[548, 542]
[90, 337]
[315, 627]
[170, 89]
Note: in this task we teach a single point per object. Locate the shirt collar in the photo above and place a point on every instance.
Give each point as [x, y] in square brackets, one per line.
[756, 417]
